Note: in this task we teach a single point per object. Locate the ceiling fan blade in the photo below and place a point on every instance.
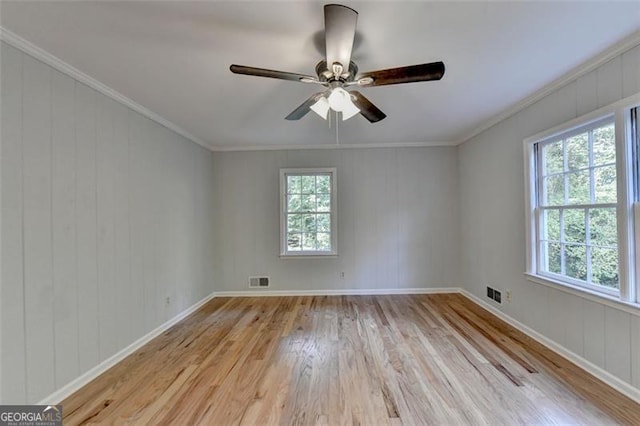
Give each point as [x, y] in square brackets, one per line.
[339, 32]
[367, 109]
[304, 108]
[281, 75]
[410, 74]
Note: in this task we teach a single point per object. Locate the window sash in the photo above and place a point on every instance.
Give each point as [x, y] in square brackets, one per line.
[542, 269]
[566, 172]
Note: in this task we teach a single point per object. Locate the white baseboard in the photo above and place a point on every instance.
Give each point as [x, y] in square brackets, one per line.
[71, 387]
[611, 380]
[338, 292]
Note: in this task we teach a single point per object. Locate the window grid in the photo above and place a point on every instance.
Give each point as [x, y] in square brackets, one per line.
[592, 175]
[582, 169]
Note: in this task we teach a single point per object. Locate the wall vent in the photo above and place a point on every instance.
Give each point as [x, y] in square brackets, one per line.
[258, 281]
[494, 294]
[490, 292]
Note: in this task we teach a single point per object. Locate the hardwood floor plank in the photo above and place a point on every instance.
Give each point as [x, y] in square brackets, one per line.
[326, 360]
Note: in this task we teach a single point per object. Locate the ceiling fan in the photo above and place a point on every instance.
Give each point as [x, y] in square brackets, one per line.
[338, 72]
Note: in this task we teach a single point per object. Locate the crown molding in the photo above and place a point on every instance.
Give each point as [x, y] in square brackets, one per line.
[42, 55]
[58, 64]
[226, 148]
[586, 67]
[53, 61]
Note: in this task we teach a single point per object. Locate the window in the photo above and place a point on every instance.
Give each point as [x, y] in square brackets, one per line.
[308, 212]
[582, 191]
[577, 198]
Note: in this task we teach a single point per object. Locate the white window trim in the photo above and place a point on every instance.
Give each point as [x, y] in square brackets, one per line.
[628, 255]
[284, 253]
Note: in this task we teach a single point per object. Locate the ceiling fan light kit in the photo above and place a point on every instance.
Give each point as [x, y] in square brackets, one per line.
[338, 72]
[349, 109]
[321, 107]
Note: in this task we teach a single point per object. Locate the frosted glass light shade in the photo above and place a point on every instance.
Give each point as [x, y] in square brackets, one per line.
[339, 99]
[349, 111]
[321, 107]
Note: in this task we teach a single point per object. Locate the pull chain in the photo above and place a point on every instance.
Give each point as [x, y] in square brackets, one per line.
[337, 133]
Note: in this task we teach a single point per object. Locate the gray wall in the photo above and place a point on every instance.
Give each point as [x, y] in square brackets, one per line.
[105, 214]
[397, 219]
[491, 174]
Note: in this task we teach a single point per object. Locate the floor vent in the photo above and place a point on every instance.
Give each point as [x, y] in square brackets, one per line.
[258, 281]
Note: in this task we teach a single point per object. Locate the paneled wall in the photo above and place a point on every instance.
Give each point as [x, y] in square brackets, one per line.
[107, 227]
[491, 174]
[397, 219]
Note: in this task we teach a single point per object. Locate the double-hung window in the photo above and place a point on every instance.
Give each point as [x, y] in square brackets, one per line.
[582, 192]
[577, 201]
[308, 225]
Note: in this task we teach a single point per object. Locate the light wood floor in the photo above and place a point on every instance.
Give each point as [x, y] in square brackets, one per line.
[372, 360]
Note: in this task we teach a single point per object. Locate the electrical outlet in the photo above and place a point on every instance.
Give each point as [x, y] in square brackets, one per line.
[508, 295]
[342, 275]
[167, 301]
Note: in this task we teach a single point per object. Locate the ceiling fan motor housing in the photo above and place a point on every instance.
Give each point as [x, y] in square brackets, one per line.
[327, 75]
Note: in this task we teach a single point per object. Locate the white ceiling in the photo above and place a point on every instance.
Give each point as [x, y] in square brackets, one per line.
[173, 58]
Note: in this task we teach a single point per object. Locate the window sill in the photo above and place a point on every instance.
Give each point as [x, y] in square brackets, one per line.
[309, 256]
[601, 298]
